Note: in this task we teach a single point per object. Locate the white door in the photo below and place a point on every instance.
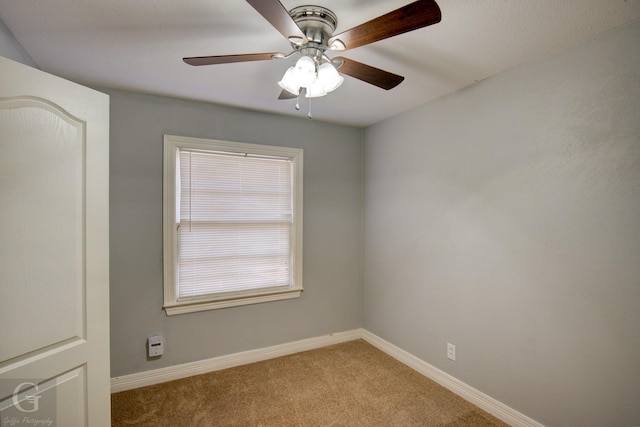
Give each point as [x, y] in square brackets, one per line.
[54, 251]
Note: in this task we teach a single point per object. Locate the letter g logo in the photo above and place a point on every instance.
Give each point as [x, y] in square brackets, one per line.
[31, 399]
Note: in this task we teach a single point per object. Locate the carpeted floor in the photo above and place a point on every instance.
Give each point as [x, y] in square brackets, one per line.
[349, 384]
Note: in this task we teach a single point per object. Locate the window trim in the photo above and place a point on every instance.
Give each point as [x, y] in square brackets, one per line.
[172, 305]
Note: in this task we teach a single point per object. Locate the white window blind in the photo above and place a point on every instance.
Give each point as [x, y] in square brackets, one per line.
[235, 223]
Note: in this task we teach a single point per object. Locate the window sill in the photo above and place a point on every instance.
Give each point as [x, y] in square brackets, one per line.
[195, 306]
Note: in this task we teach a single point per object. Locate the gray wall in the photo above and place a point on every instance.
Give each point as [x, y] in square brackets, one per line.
[505, 219]
[332, 297]
[10, 48]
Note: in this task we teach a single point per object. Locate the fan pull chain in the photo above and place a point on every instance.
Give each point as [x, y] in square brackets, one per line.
[298, 100]
[309, 113]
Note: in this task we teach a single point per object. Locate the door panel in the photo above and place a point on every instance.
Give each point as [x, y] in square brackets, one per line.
[54, 348]
[41, 166]
[59, 401]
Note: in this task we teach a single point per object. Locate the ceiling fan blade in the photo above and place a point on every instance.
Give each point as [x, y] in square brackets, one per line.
[285, 94]
[228, 59]
[367, 73]
[415, 15]
[274, 12]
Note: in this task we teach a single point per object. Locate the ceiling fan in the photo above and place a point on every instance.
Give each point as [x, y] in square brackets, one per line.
[310, 29]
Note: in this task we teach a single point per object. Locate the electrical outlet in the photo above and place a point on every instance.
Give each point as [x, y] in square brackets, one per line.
[451, 351]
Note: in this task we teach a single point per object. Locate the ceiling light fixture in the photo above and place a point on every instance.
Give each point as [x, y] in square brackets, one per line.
[311, 76]
[318, 80]
[310, 30]
[314, 74]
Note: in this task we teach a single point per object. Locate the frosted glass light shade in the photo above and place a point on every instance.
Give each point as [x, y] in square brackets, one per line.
[329, 76]
[289, 81]
[304, 75]
[306, 71]
[316, 89]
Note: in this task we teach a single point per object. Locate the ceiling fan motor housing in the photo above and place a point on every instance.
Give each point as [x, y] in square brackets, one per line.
[318, 24]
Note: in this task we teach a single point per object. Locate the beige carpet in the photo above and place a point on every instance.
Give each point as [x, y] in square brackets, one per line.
[350, 384]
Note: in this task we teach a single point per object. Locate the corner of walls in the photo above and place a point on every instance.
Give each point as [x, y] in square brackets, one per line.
[11, 48]
[362, 180]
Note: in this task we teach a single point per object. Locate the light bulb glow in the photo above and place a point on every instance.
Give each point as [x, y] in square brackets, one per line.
[316, 82]
[316, 90]
[306, 71]
[289, 81]
[329, 76]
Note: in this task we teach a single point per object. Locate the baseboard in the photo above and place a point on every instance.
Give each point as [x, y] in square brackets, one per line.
[481, 400]
[170, 373]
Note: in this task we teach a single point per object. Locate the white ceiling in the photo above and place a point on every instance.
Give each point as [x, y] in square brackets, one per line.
[139, 44]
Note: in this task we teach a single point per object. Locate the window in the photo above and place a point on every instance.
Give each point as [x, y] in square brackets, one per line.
[232, 224]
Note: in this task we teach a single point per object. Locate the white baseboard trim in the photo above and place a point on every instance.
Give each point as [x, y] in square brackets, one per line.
[170, 373]
[481, 400]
